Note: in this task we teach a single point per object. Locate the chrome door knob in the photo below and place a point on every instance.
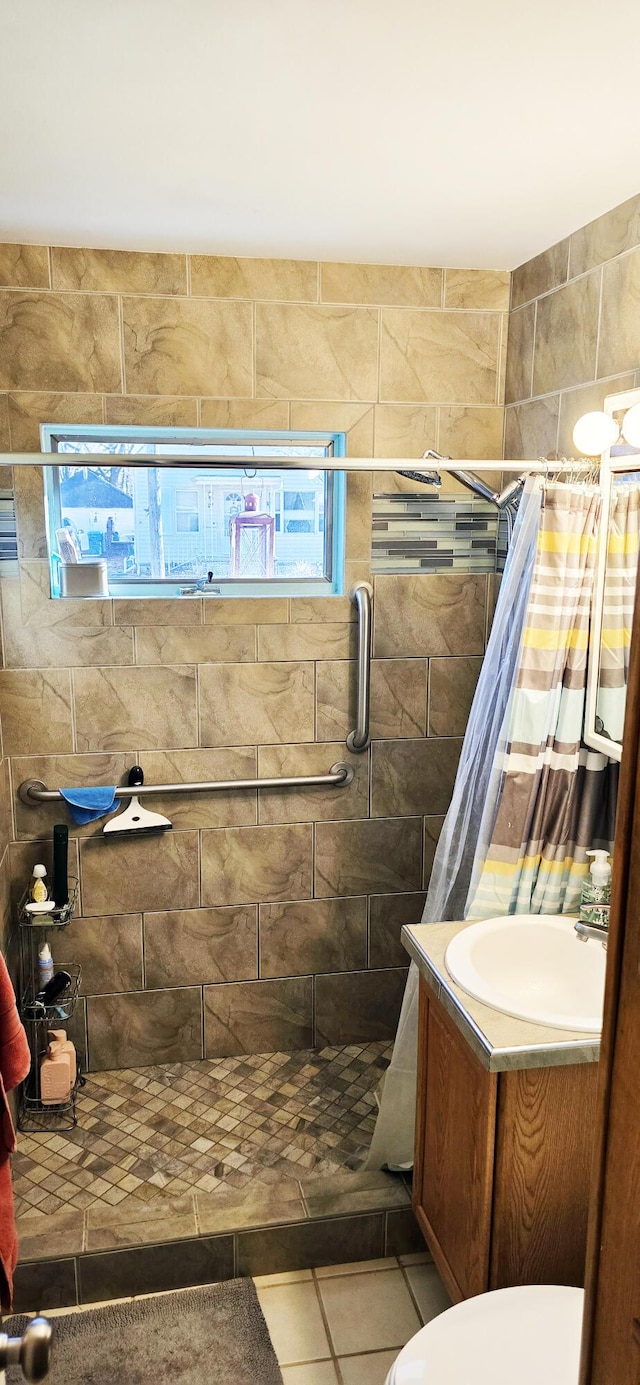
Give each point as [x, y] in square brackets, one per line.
[31, 1351]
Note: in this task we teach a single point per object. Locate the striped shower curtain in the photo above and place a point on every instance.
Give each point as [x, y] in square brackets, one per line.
[617, 612]
[556, 798]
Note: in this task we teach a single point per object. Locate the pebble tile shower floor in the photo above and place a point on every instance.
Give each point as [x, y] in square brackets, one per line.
[196, 1127]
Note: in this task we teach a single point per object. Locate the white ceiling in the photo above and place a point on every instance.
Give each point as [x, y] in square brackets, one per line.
[446, 132]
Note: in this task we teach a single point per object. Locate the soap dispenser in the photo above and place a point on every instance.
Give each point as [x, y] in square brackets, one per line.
[596, 891]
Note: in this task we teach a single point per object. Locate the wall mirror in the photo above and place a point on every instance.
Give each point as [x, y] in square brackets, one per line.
[614, 586]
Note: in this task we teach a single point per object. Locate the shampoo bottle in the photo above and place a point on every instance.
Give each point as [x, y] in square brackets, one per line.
[59, 1043]
[38, 891]
[45, 966]
[55, 1077]
[596, 891]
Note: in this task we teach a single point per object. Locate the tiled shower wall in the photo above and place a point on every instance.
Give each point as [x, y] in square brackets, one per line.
[574, 332]
[257, 923]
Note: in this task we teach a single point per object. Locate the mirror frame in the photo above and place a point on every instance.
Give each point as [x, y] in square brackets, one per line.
[610, 466]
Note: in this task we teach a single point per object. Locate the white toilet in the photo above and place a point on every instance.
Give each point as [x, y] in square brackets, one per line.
[529, 1335]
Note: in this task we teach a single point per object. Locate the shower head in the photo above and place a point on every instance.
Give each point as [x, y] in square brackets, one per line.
[427, 478]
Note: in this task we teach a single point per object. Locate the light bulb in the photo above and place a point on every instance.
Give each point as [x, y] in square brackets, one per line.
[631, 426]
[595, 432]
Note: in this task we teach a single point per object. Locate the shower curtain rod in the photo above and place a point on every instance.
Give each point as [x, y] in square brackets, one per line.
[178, 462]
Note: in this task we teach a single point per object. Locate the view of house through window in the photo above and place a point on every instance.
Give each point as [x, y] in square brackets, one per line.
[240, 524]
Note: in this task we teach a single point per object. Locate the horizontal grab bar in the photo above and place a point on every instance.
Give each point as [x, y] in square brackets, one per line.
[362, 594]
[33, 791]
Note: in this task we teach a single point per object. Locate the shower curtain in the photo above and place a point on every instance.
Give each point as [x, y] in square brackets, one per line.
[465, 825]
[529, 799]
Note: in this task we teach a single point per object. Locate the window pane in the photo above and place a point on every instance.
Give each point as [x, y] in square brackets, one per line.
[235, 522]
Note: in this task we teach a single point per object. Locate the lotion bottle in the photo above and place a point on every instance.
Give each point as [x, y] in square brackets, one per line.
[596, 891]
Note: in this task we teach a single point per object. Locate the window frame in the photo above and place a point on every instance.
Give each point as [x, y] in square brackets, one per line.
[331, 584]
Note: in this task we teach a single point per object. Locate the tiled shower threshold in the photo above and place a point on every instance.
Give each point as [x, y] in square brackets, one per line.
[185, 1173]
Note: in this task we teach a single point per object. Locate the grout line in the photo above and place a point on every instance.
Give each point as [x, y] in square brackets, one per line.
[533, 348]
[403, 1269]
[334, 1358]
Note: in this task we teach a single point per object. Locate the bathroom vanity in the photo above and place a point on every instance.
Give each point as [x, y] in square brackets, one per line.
[505, 1124]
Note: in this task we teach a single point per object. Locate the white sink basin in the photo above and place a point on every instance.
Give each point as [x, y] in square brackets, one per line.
[532, 966]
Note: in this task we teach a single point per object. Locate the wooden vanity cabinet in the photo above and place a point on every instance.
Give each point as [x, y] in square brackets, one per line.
[502, 1165]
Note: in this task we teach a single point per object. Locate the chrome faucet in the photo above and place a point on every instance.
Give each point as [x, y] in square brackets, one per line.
[598, 931]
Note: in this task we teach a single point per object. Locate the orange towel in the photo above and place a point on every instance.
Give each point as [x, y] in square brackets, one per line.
[15, 1061]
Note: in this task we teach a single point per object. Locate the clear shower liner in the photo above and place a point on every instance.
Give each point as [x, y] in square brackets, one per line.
[467, 828]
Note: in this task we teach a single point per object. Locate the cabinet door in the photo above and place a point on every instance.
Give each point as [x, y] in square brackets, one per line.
[455, 1181]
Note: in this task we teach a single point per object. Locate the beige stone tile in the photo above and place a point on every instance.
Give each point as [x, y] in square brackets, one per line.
[232, 1209]
[217, 809]
[196, 644]
[401, 286]
[311, 805]
[432, 829]
[566, 336]
[369, 1369]
[6, 829]
[521, 339]
[118, 271]
[35, 710]
[575, 403]
[388, 914]
[258, 1017]
[258, 703]
[452, 684]
[335, 699]
[109, 950]
[439, 358]
[335, 609]
[244, 413]
[411, 777]
[310, 1373]
[158, 611]
[220, 276]
[539, 275]
[316, 352]
[6, 473]
[328, 640]
[386, 1262]
[369, 1312]
[476, 288]
[140, 1223]
[470, 433]
[404, 430]
[139, 874]
[157, 412]
[40, 610]
[59, 341]
[244, 865]
[189, 947]
[619, 347]
[606, 237]
[438, 614]
[316, 935]
[29, 504]
[358, 525]
[295, 1322]
[268, 1281]
[144, 1027]
[24, 266]
[187, 346]
[398, 697]
[240, 610]
[531, 429]
[129, 708]
[27, 410]
[428, 1291]
[63, 771]
[356, 420]
[377, 857]
[65, 645]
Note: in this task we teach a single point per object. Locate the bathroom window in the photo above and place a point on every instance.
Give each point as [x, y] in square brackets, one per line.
[234, 529]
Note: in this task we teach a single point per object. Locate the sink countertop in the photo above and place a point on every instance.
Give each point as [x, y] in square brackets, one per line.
[501, 1043]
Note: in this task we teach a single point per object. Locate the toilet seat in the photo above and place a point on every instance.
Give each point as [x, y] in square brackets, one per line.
[528, 1335]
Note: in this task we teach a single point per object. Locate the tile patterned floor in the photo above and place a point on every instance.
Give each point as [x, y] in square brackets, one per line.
[194, 1127]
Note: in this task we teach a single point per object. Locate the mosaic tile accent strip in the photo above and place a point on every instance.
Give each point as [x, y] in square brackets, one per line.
[433, 533]
[8, 531]
[196, 1127]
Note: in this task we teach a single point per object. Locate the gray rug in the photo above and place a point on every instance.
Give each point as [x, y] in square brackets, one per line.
[214, 1335]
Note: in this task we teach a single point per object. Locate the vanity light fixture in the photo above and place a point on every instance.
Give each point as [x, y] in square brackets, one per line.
[630, 427]
[597, 431]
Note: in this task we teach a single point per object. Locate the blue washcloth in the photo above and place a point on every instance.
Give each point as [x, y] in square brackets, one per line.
[87, 804]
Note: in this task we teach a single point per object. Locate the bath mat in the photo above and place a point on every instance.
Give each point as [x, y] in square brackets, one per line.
[214, 1335]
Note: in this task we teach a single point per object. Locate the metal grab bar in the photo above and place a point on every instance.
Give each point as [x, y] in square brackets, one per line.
[362, 594]
[33, 791]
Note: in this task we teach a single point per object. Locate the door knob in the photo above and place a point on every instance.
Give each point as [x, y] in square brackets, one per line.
[31, 1351]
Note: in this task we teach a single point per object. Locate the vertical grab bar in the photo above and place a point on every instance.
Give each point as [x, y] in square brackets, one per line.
[362, 594]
